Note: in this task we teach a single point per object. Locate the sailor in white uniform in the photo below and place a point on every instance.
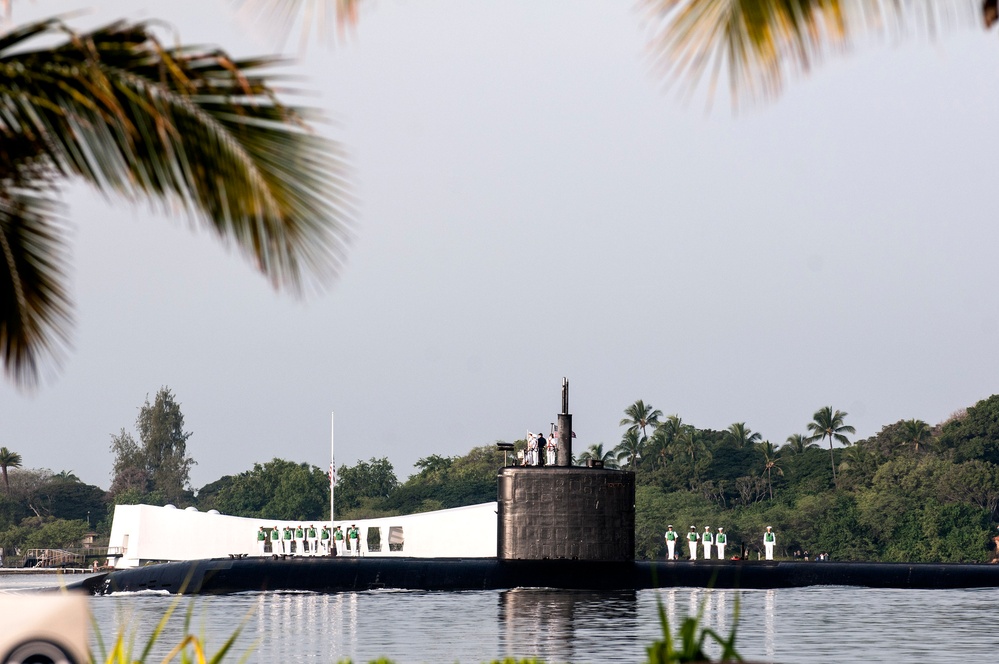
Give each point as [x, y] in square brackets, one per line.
[769, 539]
[670, 543]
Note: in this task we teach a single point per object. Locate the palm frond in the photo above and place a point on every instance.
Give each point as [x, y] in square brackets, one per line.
[35, 312]
[185, 128]
[321, 16]
[758, 44]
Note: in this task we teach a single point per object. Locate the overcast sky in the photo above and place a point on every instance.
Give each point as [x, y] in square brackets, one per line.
[533, 205]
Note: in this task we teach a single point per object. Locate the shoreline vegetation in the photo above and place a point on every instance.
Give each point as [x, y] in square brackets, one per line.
[913, 492]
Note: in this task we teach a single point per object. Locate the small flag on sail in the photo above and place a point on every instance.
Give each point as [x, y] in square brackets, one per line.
[556, 431]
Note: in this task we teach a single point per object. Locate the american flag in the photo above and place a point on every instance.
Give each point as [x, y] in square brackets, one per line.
[573, 433]
[332, 474]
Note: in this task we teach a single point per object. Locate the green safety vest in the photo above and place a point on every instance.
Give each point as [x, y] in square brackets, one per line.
[287, 533]
[720, 539]
[706, 538]
[352, 533]
[275, 535]
[670, 535]
[691, 537]
[325, 534]
[299, 533]
[338, 534]
[768, 537]
[261, 536]
[312, 533]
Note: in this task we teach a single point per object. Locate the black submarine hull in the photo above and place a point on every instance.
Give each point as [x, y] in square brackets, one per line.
[330, 575]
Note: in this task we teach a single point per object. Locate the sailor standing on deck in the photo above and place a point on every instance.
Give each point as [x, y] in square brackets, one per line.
[299, 540]
[324, 538]
[275, 541]
[769, 539]
[551, 450]
[313, 535]
[338, 541]
[720, 541]
[670, 543]
[692, 542]
[707, 540]
[262, 541]
[353, 537]
[352, 540]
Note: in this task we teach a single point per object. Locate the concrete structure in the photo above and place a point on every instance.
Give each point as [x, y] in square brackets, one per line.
[147, 533]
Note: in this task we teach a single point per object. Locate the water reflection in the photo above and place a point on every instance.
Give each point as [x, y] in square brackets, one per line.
[561, 625]
[769, 627]
[802, 625]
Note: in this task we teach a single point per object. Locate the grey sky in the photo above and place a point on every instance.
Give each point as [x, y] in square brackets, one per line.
[533, 206]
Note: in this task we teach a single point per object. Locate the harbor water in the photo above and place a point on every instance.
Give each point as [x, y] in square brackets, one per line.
[796, 625]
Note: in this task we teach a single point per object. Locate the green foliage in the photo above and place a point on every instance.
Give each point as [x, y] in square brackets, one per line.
[56, 534]
[445, 482]
[976, 435]
[277, 489]
[43, 533]
[72, 500]
[49, 511]
[191, 649]
[362, 489]
[904, 494]
[687, 645]
[157, 464]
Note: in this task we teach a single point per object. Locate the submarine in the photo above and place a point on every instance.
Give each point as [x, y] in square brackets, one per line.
[558, 526]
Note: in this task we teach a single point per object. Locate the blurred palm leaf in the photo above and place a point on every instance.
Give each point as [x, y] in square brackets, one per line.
[188, 128]
[759, 43]
[281, 16]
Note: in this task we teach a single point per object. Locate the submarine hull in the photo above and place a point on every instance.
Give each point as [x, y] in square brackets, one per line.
[329, 575]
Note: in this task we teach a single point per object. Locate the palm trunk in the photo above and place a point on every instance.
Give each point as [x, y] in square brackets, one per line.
[832, 460]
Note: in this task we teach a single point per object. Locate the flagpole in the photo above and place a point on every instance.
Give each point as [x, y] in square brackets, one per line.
[332, 471]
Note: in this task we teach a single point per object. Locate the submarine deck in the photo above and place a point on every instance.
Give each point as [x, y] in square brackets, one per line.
[224, 575]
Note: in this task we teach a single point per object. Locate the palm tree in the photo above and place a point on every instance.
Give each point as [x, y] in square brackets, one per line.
[771, 462]
[663, 438]
[185, 129]
[762, 42]
[640, 416]
[631, 448]
[8, 459]
[827, 424]
[916, 433]
[798, 443]
[691, 444]
[741, 436]
[596, 452]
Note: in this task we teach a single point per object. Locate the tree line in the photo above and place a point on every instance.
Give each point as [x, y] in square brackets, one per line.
[912, 492]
